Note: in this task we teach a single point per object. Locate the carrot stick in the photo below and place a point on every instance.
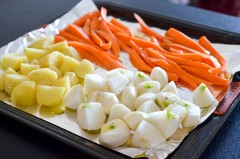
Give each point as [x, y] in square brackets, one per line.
[146, 29]
[115, 46]
[189, 56]
[104, 13]
[205, 75]
[138, 62]
[144, 56]
[180, 60]
[217, 70]
[204, 42]
[154, 54]
[123, 46]
[154, 40]
[118, 24]
[107, 37]
[88, 56]
[95, 23]
[141, 42]
[106, 61]
[170, 68]
[81, 21]
[70, 37]
[107, 46]
[180, 38]
[86, 27]
[114, 28]
[78, 32]
[58, 38]
[172, 77]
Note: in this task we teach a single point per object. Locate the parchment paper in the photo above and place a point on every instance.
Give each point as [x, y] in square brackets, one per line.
[68, 120]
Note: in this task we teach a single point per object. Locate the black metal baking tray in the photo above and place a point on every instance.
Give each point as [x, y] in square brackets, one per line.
[197, 140]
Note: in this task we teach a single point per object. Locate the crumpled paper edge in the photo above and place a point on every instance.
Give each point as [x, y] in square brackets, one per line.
[163, 150]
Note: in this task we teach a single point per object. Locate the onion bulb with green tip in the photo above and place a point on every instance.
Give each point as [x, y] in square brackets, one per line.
[147, 136]
[90, 116]
[114, 133]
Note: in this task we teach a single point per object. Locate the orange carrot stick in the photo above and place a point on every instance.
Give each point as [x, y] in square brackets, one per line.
[138, 62]
[180, 60]
[81, 21]
[123, 46]
[170, 68]
[58, 38]
[115, 46]
[95, 23]
[103, 12]
[204, 42]
[70, 37]
[154, 54]
[172, 77]
[146, 28]
[180, 38]
[106, 61]
[88, 56]
[144, 56]
[118, 24]
[205, 75]
[86, 27]
[140, 42]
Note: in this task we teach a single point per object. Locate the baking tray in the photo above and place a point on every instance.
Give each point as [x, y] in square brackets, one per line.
[197, 139]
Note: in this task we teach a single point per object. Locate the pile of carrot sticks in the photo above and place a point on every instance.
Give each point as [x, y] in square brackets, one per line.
[185, 60]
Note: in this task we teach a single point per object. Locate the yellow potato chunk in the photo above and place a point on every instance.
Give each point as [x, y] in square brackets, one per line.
[74, 80]
[58, 109]
[63, 82]
[85, 67]
[70, 51]
[26, 68]
[3, 75]
[43, 43]
[13, 60]
[60, 46]
[24, 94]
[49, 95]
[53, 59]
[35, 62]
[12, 80]
[54, 68]
[69, 64]
[43, 76]
[35, 54]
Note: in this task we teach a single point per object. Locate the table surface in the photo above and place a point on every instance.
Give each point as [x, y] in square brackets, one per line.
[20, 141]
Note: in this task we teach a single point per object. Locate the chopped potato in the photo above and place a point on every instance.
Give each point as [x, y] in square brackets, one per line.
[35, 62]
[54, 68]
[24, 94]
[3, 75]
[85, 67]
[61, 46]
[13, 60]
[53, 59]
[12, 80]
[69, 64]
[63, 82]
[58, 109]
[43, 76]
[49, 95]
[74, 80]
[43, 43]
[35, 54]
[26, 68]
[72, 52]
